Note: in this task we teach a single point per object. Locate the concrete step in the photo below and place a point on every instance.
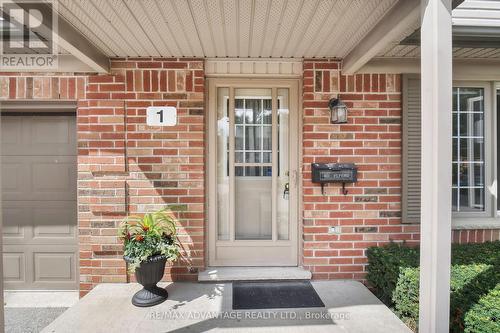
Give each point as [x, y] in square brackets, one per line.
[212, 274]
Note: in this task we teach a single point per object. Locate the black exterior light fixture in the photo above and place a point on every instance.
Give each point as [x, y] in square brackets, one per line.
[338, 111]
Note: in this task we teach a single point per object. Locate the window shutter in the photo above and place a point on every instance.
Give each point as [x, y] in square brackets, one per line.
[411, 149]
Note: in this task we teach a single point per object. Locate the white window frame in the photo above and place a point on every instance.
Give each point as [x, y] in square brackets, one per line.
[489, 218]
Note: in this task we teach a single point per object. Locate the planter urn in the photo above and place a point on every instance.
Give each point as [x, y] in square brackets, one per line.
[148, 274]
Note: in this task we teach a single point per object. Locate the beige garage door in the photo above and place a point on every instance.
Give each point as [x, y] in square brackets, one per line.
[39, 201]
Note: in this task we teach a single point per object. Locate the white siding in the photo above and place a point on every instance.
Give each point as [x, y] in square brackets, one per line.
[477, 13]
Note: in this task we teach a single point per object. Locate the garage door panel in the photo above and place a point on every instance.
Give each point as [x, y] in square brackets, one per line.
[55, 221]
[15, 219]
[11, 132]
[12, 176]
[55, 177]
[40, 222]
[14, 267]
[41, 267]
[39, 178]
[54, 266]
[39, 202]
[38, 135]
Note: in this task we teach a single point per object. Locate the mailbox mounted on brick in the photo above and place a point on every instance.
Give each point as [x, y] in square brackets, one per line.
[324, 173]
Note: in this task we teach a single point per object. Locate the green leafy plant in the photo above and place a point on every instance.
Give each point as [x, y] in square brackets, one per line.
[484, 317]
[149, 235]
[468, 284]
[394, 274]
[384, 266]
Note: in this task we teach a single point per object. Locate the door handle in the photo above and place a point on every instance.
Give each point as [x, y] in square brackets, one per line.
[286, 191]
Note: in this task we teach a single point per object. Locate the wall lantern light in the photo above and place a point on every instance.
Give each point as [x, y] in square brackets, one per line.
[338, 111]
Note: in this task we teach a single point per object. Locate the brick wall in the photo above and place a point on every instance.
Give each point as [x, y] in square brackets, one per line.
[371, 212]
[124, 166]
[42, 87]
[475, 235]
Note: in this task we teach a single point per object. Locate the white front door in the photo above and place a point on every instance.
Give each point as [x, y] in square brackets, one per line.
[252, 154]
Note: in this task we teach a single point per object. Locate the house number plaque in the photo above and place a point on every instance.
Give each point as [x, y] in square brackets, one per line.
[161, 116]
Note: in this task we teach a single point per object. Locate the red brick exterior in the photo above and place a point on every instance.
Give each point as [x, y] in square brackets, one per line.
[371, 212]
[475, 235]
[125, 167]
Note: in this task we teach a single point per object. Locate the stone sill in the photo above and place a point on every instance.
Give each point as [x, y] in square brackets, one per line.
[468, 223]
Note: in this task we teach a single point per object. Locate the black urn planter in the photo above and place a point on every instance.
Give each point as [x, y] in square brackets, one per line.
[148, 274]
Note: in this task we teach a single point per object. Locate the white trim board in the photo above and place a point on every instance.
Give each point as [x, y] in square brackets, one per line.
[463, 69]
[282, 68]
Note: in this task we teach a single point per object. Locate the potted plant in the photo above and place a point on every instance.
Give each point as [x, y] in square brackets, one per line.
[150, 241]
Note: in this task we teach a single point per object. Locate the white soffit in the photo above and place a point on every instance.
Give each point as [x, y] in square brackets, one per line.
[225, 28]
[413, 51]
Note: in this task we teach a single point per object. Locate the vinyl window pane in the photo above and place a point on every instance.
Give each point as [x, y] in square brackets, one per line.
[253, 111]
[468, 150]
[471, 99]
[471, 124]
[222, 164]
[471, 150]
[471, 174]
[253, 138]
[239, 111]
[471, 199]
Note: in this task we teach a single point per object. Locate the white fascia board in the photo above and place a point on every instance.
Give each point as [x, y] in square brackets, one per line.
[463, 69]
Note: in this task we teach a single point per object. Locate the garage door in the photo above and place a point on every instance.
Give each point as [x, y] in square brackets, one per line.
[39, 201]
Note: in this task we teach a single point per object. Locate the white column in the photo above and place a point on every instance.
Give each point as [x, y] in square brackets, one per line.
[435, 244]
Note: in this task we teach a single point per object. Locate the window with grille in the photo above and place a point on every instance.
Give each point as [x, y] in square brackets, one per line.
[468, 167]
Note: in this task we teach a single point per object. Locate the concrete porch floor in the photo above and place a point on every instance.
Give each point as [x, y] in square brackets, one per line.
[202, 307]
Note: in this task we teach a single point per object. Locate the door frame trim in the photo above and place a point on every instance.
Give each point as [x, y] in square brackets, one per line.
[36, 106]
[212, 84]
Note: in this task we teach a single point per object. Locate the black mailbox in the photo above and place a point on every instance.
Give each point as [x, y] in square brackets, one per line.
[334, 173]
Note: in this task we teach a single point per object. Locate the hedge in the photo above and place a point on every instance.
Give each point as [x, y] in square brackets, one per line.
[468, 284]
[384, 264]
[394, 274]
[484, 317]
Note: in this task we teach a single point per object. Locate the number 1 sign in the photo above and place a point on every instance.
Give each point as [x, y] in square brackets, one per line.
[161, 116]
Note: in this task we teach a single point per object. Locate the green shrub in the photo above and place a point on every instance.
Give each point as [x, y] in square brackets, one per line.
[484, 317]
[393, 272]
[476, 253]
[468, 284]
[384, 264]
[405, 296]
